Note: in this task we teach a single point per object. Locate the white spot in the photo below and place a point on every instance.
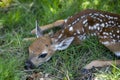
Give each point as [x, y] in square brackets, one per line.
[96, 25]
[83, 29]
[117, 53]
[86, 24]
[74, 33]
[115, 17]
[82, 17]
[78, 31]
[65, 20]
[98, 28]
[106, 24]
[69, 25]
[118, 25]
[105, 36]
[90, 14]
[104, 32]
[90, 28]
[118, 36]
[102, 15]
[118, 31]
[71, 28]
[113, 35]
[73, 22]
[103, 25]
[112, 22]
[60, 36]
[78, 19]
[110, 17]
[62, 31]
[85, 21]
[107, 16]
[118, 40]
[44, 51]
[41, 78]
[106, 43]
[94, 34]
[99, 19]
[96, 14]
[109, 22]
[82, 37]
[114, 40]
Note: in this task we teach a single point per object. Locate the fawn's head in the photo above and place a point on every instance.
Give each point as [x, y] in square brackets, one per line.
[43, 48]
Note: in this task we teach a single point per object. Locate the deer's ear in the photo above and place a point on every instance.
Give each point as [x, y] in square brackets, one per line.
[64, 44]
[39, 32]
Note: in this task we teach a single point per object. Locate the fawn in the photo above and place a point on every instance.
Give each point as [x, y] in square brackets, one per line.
[104, 25]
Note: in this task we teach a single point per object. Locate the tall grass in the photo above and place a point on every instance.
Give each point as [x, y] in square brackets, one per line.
[17, 20]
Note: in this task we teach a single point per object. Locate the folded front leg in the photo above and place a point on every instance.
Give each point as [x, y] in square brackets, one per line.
[57, 23]
[101, 63]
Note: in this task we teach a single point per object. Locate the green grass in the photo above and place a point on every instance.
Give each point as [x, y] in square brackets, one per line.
[18, 19]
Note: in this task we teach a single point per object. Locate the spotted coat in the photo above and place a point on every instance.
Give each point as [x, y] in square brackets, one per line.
[92, 22]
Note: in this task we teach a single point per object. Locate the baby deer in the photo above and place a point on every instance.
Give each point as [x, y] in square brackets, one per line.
[104, 25]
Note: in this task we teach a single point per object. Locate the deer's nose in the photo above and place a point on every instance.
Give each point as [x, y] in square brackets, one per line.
[29, 65]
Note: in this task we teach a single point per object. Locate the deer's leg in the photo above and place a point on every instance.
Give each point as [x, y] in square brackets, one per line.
[112, 46]
[112, 43]
[115, 48]
[101, 63]
[87, 71]
[49, 26]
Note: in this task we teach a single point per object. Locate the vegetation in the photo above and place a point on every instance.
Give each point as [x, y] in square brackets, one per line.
[17, 19]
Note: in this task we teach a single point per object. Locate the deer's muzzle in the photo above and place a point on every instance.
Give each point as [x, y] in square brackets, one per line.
[29, 65]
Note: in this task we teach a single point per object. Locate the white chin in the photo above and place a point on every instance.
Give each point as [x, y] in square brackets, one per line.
[48, 59]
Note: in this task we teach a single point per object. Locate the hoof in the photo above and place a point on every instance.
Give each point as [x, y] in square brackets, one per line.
[87, 74]
[85, 71]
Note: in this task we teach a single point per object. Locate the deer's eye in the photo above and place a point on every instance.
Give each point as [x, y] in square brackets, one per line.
[42, 55]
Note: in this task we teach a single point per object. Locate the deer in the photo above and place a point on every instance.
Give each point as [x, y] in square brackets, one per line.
[75, 29]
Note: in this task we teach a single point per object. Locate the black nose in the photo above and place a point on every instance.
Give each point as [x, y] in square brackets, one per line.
[29, 65]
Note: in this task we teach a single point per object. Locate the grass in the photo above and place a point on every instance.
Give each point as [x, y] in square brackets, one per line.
[17, 19]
